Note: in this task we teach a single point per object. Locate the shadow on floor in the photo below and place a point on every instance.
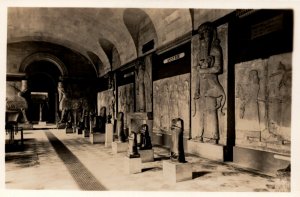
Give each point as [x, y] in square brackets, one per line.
[152, 169]
[199, 174]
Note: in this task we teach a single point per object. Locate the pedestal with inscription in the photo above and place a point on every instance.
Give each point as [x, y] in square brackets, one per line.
[133, 165]
[176, 172]
[109, 134]
[119, 147]
[147, 155]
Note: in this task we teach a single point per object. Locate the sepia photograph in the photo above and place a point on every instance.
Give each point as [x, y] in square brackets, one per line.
[148, 98]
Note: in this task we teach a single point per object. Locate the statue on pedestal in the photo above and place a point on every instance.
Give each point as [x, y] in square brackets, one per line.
[64, 103]
[120, 127]
[25, 93]
[145, 138]
[177, 150]
[132, 146]
[100, 121]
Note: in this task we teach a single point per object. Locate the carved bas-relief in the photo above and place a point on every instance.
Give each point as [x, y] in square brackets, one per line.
[107, 99]
[126, 102]
[263, 103]
[171, 99]
[208, 90]
[143, 85]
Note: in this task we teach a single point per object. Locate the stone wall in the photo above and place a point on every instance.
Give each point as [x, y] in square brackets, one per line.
[263, 103]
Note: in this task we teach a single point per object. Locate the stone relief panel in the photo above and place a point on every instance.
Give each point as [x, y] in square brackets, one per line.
[250, 94]
[143, 85]
[171, 99]
[263, 103]
[106, 99]
[126, 101]
[209, 84]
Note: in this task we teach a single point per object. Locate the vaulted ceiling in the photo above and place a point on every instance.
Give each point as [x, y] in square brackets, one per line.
[92, 32]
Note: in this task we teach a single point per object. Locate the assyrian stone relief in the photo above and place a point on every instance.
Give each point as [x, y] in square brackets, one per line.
[263, 103]
[126, 101]
[143, 78]
[171, 99]
[106, 99]
[209, 84]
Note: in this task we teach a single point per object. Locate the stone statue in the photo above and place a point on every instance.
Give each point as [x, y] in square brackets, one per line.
[25, 93]
[64, 104]
[145, 138]
[177, 150]
[208, 88]
[120, 127]
[140, 86]
[132, 146]
[100, 121]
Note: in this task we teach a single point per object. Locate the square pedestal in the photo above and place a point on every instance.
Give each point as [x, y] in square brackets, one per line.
[118, 147]
[85, 133]
[78, 131]
[176, 172]
[133, 165]
[69, 130]
[210, 151]
[147, 155]
[109, 134]
[96, 138]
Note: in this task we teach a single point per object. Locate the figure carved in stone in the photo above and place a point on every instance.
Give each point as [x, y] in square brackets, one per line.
[248, 95]
[120, 127]
[64, 103]
[25, 93]
[140, 86]
[132, 146]
[100, 121]
[177, 150]
[208, 88]
[145, 138]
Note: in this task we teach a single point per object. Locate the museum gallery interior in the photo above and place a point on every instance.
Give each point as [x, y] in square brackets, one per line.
[210, 84]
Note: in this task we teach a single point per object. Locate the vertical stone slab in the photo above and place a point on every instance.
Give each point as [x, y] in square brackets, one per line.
[109, 134]
[198, 120]
[126, 101]
[119, 147]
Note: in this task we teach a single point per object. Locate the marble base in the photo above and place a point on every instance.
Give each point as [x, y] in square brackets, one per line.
[96, 138]
[147, 155]
[210, 151]
[176, 172]
[69, 130]
[78, 131]
[109, 134]
[85, 133]
[119, 147]
[133, 165]
[43, 123]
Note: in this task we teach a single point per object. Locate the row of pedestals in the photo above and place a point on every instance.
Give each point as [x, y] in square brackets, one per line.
[172, 171]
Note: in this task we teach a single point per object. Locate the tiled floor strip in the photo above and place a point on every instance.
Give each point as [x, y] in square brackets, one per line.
[83, 177]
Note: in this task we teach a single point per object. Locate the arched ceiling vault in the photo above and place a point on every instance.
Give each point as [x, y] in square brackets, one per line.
[81, 28]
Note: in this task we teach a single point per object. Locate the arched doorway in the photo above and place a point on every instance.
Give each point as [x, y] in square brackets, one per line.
[43, 77]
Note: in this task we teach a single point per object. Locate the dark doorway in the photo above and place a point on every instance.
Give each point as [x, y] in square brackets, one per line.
[43, 77]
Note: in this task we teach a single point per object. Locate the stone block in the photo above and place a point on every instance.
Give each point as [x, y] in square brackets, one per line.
[133, 165]
[119, 147]
[85, 133]
[69, 130]
[263, 161]
[206, 150]
[147, 155]
[176, 172]
[109, 134]
[96, 138]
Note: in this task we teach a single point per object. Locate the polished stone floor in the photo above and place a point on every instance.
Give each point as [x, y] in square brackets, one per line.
[54, 160]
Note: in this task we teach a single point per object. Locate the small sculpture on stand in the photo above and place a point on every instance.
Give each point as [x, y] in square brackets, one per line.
[120, 127]
[177, 150]
[145, 140]
[132, 146]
